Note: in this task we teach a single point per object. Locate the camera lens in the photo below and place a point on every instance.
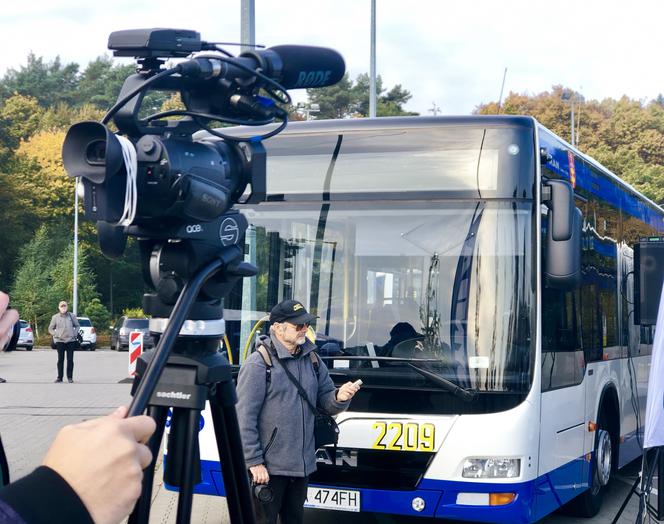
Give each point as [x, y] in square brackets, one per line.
[95, 153]
[263, 492]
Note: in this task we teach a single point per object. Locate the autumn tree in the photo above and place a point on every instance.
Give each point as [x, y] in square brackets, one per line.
[626, 136]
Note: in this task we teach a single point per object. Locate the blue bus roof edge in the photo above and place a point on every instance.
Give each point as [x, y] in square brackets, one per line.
[599, 166]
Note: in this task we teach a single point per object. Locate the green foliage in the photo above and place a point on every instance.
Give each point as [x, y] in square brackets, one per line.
[48, 82]
[335, 101]
[45, 276]
[20, 117]
[346, 99]
[98, 315]
[101, 81]
[62, 278]
[135, 312]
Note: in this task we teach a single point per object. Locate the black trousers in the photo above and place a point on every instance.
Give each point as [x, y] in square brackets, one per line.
[65, 347]
[289, 494]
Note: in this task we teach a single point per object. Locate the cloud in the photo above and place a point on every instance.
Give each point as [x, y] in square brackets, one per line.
[450, 53]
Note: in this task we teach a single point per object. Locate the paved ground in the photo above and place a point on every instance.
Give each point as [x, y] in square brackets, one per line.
[33, 408]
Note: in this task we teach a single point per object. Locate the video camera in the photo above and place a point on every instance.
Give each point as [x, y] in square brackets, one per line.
[162, 183]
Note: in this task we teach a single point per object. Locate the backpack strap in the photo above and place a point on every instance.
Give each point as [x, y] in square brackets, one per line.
[314, 362]
[267, 358]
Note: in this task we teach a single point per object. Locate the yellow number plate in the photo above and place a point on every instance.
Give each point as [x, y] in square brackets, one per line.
[404, 436]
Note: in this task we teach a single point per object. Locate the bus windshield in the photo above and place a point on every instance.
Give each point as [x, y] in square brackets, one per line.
[445, 282]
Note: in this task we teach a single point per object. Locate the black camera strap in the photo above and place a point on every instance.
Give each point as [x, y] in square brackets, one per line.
[297, 384]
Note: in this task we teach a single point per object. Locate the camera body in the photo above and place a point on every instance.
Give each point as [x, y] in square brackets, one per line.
[157, 181]
[153, 173]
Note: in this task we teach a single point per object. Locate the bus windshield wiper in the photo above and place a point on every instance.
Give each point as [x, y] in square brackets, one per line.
[464, 394]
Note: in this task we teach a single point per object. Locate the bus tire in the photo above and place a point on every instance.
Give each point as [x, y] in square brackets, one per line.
[590, 501]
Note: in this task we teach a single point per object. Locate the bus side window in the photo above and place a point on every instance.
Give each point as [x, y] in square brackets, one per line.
[559, 321]
[562, 355]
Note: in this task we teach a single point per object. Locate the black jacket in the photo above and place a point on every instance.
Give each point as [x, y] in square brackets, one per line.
[42, 497]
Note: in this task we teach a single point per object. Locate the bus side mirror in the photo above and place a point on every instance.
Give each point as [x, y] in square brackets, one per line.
[648, 279]
[562, 267]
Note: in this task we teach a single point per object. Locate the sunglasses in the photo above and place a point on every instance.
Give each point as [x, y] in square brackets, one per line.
[300, 327]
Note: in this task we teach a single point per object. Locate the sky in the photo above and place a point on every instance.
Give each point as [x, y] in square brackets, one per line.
[451, 53]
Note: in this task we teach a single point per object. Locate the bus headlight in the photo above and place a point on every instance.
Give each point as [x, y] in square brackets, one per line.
[491, 468]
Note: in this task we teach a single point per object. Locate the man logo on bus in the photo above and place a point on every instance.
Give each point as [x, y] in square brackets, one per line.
[343, 457]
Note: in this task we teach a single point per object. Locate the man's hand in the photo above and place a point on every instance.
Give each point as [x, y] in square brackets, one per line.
[103, 461]
[347, 391]
[260, 474]
[7, 320]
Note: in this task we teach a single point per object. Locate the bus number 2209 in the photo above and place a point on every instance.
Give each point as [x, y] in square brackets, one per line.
[409, 436]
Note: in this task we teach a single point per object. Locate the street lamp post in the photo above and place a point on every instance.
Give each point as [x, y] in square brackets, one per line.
[248, 25]
[372, 65]
[75, 286]
[568, 94]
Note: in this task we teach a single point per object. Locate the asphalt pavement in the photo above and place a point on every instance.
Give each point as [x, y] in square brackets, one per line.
[33, 408]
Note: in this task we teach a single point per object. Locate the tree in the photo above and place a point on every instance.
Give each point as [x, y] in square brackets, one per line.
[134, 312]
[101, 82]
[61, 278]
[30, 292]
[98, 315]
[335, 101]
[20, 117]
[345, 99]
[45, 276]
[44, 186]
[361, 91]
[49, 83]
[624, 135]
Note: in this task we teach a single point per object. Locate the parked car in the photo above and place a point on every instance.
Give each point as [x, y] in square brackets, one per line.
[25, 339]
[89, 342]
[125, 325]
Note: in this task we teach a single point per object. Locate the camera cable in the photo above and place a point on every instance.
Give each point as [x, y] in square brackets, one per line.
[131, 191]
[118, 105]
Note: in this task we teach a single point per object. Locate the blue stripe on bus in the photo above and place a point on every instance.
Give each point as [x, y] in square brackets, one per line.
[534, 499]
[601, 186]
[211, 482]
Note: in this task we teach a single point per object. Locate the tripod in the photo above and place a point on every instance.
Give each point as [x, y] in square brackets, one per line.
[183, 380]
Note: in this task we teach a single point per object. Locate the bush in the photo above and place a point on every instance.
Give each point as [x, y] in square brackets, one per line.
[135, 312]
[98, 314]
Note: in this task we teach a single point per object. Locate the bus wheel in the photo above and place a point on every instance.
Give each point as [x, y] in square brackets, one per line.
[589, 502]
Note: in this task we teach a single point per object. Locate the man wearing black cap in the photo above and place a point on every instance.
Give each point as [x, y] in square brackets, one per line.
[276, 424]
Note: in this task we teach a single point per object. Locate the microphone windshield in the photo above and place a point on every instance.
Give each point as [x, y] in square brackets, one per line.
[309, 66]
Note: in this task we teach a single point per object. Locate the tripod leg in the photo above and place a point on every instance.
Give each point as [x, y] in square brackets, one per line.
[141, 512]
[229, 446]
[191, 455]
[629, 496]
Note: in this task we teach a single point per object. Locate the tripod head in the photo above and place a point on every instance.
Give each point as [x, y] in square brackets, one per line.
[169, 258]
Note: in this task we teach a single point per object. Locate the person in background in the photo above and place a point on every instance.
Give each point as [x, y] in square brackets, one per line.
[64, 328]
[92, 472]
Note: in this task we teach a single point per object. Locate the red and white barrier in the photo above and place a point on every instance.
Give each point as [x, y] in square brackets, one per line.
[135, 350]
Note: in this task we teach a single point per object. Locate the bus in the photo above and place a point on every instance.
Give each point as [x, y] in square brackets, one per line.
[477, 273]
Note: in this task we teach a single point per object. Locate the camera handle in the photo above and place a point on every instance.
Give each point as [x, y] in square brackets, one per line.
[199, 376]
